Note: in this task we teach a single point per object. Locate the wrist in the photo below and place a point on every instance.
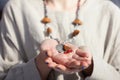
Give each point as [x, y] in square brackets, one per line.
[87, 72]
[42, 67]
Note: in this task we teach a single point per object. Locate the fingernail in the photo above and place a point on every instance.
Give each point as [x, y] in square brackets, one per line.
[46, 53]
[82, 67]
[46, 63]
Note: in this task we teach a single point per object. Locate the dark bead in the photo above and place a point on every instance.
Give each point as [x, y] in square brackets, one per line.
[76, 32]
[49, 30]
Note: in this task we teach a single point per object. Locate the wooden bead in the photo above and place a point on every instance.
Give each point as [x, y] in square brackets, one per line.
[46, 20]
[65, 47]
[76, 32]
[49, 30]
[77, 22]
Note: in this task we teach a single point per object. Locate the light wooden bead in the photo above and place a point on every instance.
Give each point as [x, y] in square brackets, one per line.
[65, 47]
[77, 22]
[46, 20]
[76, 32]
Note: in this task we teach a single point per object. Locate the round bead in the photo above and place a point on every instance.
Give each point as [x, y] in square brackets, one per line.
[46, 20]
[77, 22]
[76, 32]
[65, 47]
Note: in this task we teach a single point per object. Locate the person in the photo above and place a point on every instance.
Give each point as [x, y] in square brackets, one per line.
[0, 14]
[60, 40]
[117, 2]
[2, 4]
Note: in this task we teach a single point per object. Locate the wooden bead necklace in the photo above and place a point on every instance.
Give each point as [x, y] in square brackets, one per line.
[61, 47]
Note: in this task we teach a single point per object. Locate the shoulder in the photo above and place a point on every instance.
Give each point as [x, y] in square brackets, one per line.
[108, 5]
[117, 2]
[102, 6]
[114, 14]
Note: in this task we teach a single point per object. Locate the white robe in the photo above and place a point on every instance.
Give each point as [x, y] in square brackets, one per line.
[22, 33]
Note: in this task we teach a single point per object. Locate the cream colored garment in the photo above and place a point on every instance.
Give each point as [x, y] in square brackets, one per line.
[22, 33]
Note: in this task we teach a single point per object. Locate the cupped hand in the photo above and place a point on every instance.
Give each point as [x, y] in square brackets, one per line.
[54, 59]
[83, 58]
[66, 56]
[45, 52]
[61, 58]
[75, 61]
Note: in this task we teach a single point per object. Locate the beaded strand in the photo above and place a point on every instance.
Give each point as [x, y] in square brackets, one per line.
[47, 20]
[75, 23]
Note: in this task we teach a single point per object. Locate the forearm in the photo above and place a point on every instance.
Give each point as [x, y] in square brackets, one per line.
[87, 72]
[26, 71]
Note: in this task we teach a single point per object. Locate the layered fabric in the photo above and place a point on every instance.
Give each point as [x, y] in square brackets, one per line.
[21, 33]
[2, 4]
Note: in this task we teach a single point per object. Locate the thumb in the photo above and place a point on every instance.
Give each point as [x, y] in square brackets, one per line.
[49, 53]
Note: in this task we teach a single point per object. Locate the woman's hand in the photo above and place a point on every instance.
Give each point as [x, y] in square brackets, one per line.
[83, 58]
[73, 62]
[54, 59]
[87, 63]
[45, 51]
[65, 56]
[69, 63]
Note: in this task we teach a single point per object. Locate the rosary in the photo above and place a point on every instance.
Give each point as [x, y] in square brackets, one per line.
[61, 47]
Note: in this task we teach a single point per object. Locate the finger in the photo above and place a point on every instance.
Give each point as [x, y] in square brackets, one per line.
[83, 59]
[79, 58]
[79, 67]
[73, 64]
[84, 64]
[50, 63]
[49, 53]
[82, 53]
[63, 69]
[48, 60]
[86, 50]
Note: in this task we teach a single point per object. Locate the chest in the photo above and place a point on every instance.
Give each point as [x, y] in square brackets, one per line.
[91, 34]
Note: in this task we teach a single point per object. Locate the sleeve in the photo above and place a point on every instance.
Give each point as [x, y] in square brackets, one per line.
[105, 71]
[108, 68]
[24, 71]
[12, 63]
